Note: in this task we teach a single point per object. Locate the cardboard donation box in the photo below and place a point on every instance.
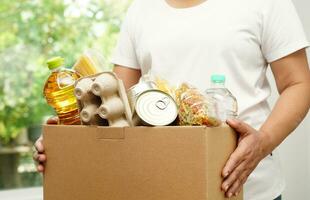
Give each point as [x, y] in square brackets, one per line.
[139, 163]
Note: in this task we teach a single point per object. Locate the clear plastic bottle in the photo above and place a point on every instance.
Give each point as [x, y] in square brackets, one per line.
[59, 92]
[226, 103]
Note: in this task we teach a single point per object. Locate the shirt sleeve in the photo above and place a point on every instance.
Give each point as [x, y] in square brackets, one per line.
[282, 32]
[125, 52]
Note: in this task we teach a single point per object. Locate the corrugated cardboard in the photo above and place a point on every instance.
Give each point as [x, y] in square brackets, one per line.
[141, 163]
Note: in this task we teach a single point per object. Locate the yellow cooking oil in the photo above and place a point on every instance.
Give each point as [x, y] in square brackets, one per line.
[59, 92]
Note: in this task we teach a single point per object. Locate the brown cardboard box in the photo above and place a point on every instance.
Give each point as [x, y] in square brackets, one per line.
[141, 163]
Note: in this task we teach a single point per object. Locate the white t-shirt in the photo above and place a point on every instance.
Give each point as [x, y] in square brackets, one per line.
[237, 38]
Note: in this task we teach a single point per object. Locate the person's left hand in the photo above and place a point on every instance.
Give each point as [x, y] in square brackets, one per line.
[244, 160]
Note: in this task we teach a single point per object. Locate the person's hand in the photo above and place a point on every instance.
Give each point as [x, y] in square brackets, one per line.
[39, 157]
[244, 160]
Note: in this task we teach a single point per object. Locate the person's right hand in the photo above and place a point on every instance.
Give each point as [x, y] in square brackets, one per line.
[39, 157]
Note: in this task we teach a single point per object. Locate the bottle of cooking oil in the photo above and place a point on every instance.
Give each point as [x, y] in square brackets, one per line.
[59, 92]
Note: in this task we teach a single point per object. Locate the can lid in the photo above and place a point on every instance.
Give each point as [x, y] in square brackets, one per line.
[55, 62]
[156, 108]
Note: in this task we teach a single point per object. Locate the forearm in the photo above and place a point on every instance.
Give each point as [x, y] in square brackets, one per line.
[289, 111]
[129, 76]
[292, 77]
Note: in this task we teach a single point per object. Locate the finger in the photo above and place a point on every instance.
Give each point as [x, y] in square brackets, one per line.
[234, 160]
[234, 176]
[240, 188]
[52, 120]
[39, 145]
[235, 189]
[41, 158]
[40, 168]
[239, 126]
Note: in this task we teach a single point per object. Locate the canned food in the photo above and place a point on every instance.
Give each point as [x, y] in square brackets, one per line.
[136, 90]
[156, 108]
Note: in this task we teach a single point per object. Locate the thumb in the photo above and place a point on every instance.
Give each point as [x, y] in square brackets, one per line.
[39, 145]
[240, 127]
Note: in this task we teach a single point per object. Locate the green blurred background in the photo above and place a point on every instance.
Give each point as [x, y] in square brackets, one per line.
[32, 31]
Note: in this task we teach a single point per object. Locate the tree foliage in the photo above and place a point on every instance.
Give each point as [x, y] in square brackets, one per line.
[35, 30]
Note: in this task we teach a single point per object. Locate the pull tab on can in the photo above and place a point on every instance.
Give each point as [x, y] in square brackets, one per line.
[163, 104]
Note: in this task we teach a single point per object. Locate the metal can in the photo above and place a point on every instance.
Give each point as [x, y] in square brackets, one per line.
[156, 108]
[138, 89]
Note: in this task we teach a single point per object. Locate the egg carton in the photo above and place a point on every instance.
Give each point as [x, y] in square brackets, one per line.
[103, 101]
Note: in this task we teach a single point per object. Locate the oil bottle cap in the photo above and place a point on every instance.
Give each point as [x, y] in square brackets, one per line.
[55, 62]
[218, 78]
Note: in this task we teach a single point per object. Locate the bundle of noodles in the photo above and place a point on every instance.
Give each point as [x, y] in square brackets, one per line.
[195, 109]
[89, 63]
[164, 86]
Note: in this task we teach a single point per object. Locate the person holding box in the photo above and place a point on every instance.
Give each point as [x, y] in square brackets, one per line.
[189, 40]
